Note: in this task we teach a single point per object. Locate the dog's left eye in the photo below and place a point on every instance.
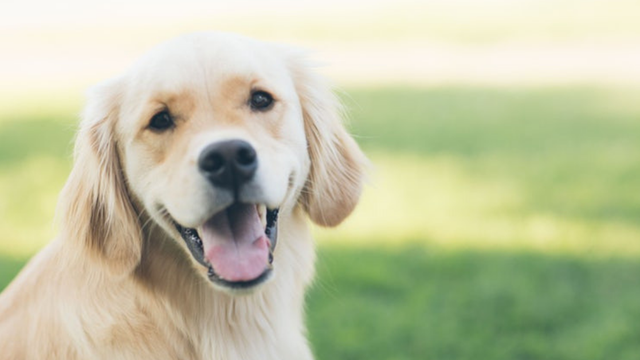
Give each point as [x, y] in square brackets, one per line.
[161, 121]
[260, 100]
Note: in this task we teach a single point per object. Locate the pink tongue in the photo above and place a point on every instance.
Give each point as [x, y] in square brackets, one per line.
[235, 243]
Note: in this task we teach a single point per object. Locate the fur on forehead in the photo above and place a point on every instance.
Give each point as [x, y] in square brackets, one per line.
[205, 60]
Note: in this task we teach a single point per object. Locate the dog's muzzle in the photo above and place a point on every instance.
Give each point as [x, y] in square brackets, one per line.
[236, 244]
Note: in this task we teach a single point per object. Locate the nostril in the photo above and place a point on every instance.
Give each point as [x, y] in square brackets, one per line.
[246, 156]
[212, 163]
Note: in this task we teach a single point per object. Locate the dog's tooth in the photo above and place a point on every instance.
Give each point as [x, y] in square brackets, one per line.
[262, 212]
[259, 210]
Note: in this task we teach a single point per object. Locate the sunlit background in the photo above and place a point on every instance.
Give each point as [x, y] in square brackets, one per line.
[502, 215]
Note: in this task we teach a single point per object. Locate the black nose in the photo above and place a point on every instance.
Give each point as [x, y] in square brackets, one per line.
[228, 164]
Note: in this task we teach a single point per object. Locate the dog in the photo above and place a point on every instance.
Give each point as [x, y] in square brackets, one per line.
[184, 222]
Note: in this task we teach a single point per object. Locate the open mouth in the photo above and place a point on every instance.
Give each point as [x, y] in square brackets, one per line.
[236, 245]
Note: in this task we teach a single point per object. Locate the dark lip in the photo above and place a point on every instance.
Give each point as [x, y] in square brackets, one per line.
[194, 243]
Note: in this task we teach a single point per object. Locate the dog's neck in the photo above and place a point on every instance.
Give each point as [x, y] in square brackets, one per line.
[172, 280]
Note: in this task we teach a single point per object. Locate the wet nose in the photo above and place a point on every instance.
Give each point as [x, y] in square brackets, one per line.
[228, 164]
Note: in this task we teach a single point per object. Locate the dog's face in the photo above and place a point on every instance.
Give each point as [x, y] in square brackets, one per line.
[213, 144]
[214, 136]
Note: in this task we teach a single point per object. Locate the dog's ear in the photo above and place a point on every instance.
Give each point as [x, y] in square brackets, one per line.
[336, 174]
[95, 208]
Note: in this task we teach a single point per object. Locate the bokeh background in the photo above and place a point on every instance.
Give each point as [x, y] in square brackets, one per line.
[502, 217]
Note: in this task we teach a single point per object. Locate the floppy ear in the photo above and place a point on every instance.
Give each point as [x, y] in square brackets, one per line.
[336, 175]
[95, 208]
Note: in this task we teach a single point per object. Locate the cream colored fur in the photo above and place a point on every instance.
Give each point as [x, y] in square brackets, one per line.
[118, 282]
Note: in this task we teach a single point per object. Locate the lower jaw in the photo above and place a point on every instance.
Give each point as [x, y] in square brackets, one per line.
[239, 285]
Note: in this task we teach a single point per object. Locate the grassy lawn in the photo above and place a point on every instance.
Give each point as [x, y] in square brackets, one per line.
[417, 302]
[499, 223]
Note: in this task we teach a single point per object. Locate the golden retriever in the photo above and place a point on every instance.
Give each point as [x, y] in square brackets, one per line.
[188, 168]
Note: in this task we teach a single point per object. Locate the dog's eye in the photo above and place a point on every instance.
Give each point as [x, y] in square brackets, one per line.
[161, 121]
[260, 100]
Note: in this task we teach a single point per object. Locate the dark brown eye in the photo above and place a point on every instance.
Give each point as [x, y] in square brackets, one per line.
[161, 121]
[260, 100]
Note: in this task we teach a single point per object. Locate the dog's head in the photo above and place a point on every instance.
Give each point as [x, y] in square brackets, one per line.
[210, 136]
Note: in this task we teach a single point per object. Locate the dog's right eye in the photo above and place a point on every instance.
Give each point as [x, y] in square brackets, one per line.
[161, 121]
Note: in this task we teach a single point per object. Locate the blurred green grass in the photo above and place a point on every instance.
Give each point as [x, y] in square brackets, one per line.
[417, 302]
[500, 223]
[553, 169]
